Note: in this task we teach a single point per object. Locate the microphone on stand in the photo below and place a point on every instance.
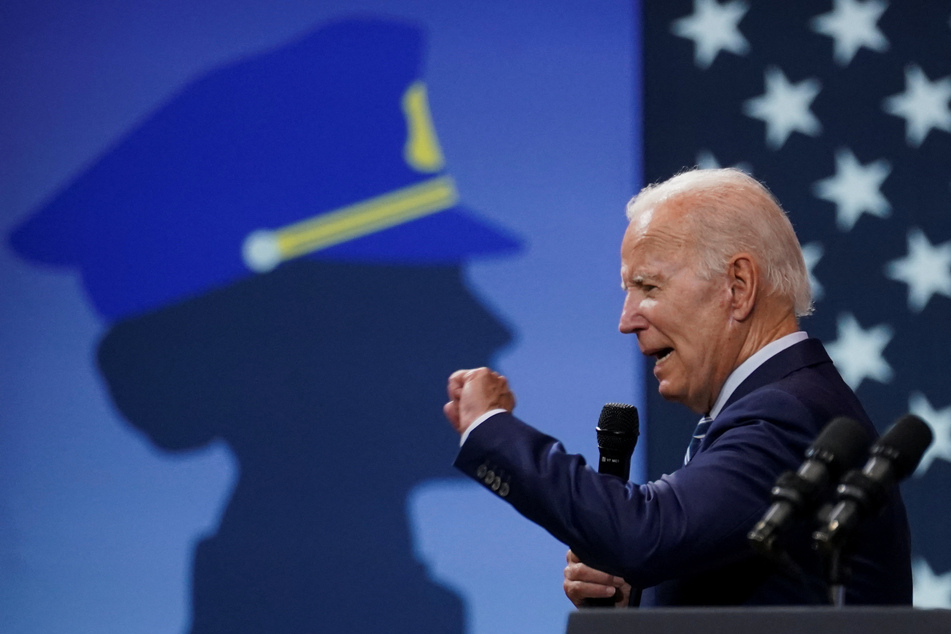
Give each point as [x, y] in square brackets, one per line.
[861, 493]
[839, 447]
[617, 435]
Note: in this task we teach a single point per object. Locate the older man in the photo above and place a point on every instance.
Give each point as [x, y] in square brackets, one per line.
[714, 280]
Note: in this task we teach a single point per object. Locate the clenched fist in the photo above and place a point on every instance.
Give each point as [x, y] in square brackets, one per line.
[472, 393]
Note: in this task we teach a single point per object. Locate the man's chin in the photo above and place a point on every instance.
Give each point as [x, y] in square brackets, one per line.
[668, 393]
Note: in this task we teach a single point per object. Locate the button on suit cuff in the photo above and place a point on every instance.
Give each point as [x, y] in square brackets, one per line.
[489, 414]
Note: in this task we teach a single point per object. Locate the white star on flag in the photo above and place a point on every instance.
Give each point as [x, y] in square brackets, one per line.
[926, 269]
[931, 590]
[852, 25]
[785, 107]
[857, 353]
[713, 28]
[923, 105]
[940, 423]
[812, 253]
[855, 189]
[707, 161]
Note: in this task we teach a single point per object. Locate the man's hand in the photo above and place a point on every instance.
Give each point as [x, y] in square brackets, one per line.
[583, 582]
[472, 393]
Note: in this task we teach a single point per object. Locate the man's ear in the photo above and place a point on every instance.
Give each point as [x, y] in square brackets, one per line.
[743, 274]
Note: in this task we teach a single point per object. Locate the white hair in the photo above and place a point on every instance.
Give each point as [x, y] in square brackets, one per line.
[730, 212]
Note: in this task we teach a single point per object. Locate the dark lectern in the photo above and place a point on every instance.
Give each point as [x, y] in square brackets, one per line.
[794, 620]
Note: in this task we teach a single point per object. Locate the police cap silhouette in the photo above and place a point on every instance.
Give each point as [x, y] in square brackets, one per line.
[323, 148]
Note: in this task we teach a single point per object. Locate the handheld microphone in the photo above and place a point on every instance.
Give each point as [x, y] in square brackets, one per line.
[840, 446]
[617, 435]
[861, 493]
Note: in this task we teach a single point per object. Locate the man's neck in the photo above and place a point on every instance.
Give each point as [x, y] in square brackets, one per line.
[760, 332]
[750, 365]
[763, 332]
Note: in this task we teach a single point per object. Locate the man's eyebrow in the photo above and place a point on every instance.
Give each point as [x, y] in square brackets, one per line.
[637, 279]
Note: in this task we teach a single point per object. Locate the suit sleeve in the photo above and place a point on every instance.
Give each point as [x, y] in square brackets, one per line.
[681, 524]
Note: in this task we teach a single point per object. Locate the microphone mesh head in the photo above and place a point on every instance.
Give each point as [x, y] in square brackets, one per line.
[619, 418]
[904, 444]
[842, 445]
[618, 427]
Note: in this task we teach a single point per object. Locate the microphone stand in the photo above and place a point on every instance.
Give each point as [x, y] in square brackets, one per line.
[838, 574]
[833, 545]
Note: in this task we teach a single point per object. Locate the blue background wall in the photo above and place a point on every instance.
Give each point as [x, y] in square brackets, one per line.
[535, 106]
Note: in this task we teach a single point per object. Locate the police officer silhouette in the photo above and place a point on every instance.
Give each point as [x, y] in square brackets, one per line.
[278, 253]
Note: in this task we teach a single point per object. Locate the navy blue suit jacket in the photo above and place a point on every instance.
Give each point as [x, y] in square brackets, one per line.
[683, 536]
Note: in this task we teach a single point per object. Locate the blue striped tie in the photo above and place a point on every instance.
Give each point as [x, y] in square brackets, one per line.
[698, 435]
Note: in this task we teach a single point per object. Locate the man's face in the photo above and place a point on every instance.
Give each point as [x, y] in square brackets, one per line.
[680, 319]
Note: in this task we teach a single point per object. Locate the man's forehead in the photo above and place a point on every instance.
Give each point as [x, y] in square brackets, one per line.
[642, 218]
[659, 226]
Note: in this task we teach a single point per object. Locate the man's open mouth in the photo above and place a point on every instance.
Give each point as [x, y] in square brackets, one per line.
[662, 354]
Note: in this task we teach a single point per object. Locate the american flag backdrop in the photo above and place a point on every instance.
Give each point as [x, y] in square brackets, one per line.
[842, 108]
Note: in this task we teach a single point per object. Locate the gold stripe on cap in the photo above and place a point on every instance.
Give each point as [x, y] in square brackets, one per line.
[263, 250]
[422, 150]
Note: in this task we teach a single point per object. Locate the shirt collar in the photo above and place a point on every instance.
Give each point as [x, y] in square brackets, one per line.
[747, 368]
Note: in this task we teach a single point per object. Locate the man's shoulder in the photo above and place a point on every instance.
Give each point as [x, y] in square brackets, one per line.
[799, 388]
[801, 370]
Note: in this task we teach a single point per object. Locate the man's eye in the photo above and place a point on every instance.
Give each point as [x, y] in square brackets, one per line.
[638, 286]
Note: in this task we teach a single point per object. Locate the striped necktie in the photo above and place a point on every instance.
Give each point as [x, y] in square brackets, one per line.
[698, 435]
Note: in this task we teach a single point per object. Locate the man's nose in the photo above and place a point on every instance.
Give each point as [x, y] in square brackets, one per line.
[632, 321]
